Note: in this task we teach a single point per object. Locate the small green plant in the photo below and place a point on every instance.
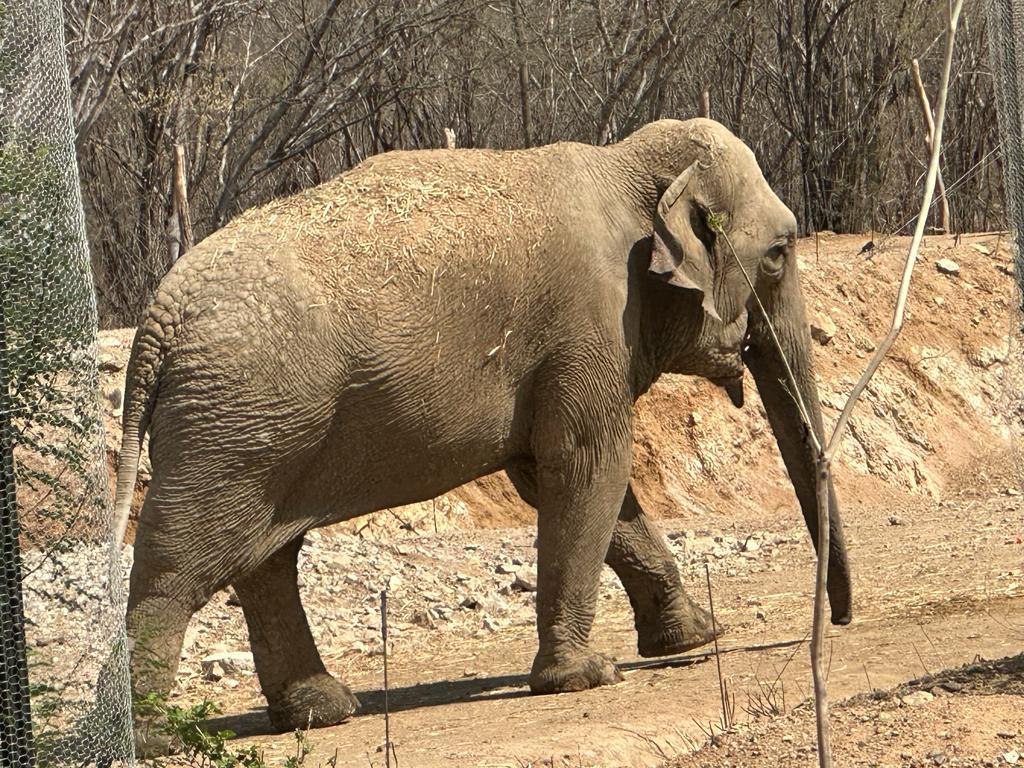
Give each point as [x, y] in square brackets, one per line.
[302, 748]
[210, 749]
[201, 748]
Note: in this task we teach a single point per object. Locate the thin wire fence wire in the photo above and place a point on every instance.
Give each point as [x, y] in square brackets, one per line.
[56, 513]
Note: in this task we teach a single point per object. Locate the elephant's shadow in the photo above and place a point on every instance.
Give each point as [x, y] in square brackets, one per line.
[432, 694]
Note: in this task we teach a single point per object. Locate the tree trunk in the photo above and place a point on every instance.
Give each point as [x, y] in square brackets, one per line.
[524, 72]
[929, 122]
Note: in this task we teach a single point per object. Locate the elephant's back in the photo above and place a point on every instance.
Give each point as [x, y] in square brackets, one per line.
[403, 219]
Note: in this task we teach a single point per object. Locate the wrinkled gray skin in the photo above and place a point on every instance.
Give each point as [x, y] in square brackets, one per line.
[426, 319]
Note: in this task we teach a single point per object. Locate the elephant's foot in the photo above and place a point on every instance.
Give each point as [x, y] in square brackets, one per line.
[577, 672]
[679, 631]
[313, 702]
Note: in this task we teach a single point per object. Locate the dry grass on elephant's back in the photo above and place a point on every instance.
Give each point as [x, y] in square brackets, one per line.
[406, 216]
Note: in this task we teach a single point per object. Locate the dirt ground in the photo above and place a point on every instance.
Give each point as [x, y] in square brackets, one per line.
[931, 498]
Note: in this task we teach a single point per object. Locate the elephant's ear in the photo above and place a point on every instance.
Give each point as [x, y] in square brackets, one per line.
[679, 255]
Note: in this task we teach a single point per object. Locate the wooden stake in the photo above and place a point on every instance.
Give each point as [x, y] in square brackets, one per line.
[180, 201]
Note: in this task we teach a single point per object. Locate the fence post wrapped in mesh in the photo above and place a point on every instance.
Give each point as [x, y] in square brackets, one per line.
[63, 675]
[1006, 53]
[1006, 49]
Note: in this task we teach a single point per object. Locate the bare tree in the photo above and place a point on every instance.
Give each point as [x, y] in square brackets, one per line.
[268, 97]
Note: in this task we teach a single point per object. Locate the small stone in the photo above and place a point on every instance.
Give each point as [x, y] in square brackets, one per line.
[986, 357]
[219, 665]
[423, 619]
[751, 545]
[526, 580]
[506, 569]
[1011, 758]
[787, 738]
[695, 419]
[917, 698]
[233, 598]
[947, 267]
[115, 396]
[229, 682]
[1006, 734]
[439, 612]
[822, 329]
[938, 301]
[895, 520]
[938, 758]
[109, 363]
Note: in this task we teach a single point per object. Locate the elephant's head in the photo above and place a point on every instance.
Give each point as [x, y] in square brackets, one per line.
[715, 220]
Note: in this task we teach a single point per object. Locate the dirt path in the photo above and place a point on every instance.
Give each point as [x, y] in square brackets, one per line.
[935, 591]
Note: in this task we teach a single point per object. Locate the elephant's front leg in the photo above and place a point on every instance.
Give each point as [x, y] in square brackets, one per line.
[667, 619]
[579, 494]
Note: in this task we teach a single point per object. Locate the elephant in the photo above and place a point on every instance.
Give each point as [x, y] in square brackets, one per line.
[430, 317]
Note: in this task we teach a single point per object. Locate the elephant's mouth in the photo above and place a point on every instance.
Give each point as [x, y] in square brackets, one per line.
[733, 387]
[723, 355]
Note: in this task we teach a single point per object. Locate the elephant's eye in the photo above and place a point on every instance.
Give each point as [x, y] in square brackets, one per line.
[774, 260]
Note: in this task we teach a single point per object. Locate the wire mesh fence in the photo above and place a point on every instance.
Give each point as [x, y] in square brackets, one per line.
[63, 597]
[1006, 41]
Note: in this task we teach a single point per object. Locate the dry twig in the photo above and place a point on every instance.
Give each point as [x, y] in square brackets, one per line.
[826, 452]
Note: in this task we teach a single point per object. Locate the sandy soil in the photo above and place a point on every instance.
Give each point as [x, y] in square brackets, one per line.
[932, 503]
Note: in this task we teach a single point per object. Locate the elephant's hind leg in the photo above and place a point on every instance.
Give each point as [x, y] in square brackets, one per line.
[166, 589]
[299, 690]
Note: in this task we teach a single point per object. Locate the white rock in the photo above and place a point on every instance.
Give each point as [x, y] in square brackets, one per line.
[1011, 757]
[917, 698]
[947, 267]
[526, 580]
[218, 665]
[108, 363]
[822, 329]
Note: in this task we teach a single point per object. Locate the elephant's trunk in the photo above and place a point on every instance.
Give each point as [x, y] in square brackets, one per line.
[785, 307]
